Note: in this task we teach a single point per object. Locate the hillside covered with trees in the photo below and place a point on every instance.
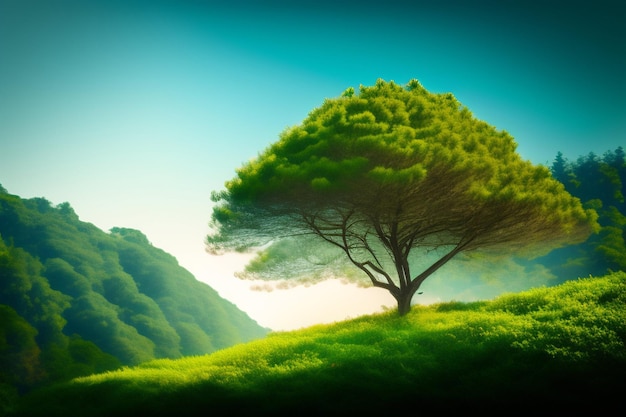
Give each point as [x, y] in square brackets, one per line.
[75, 300]
[600, 183]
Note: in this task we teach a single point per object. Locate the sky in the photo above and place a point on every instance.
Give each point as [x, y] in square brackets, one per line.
[134, 111]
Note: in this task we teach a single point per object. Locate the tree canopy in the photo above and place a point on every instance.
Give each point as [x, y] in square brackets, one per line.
[388, 178]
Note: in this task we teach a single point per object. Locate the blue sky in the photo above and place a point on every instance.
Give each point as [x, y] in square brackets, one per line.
[134, 111]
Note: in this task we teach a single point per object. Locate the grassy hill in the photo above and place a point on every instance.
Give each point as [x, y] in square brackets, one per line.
[551, 349]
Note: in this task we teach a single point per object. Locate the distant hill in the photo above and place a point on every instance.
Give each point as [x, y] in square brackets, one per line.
[75, 300]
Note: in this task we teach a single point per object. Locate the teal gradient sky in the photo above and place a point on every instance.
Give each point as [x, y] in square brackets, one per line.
[135, 111]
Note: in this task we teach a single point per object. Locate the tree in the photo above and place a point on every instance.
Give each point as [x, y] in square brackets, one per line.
[390, 177]
[599, 182]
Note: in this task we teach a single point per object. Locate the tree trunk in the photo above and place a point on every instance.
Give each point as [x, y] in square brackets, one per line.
[404, 302]
[405, 295]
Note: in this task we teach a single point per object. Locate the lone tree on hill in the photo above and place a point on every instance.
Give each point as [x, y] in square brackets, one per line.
[381, 181]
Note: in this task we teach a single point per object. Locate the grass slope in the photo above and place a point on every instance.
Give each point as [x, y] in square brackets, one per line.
[558, 348]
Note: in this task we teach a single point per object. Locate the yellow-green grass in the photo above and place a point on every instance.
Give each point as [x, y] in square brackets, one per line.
[562, 346]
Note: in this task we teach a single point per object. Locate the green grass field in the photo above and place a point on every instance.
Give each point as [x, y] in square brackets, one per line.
[547, 349]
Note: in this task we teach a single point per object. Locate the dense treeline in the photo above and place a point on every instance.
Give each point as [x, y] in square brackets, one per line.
[75, 300]
[600, 183]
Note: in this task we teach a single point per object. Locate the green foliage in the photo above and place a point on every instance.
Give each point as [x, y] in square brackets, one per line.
[600, 182]
[143, 313]
[386, 177]
[29, 293]
[188, 307]
[19, 352]
[75, 300]
[563, 345]
[94, 318]
[65, 278]
[75, 357]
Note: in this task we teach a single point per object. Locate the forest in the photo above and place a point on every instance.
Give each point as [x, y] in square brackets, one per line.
[599, 181]
[76, 301]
